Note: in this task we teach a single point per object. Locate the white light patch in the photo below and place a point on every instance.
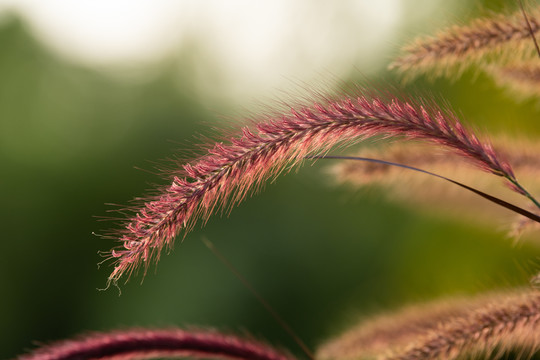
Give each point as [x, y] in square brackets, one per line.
[263, 46]
[245, 45]
[104, 31]
[124, 28]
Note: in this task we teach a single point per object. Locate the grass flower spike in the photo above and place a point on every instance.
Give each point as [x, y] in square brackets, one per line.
[448, 329]
[409, 187]
[224, 175]
[500, 324]
[506, 324]
[152, 344]
[521, 78]
[499, 38]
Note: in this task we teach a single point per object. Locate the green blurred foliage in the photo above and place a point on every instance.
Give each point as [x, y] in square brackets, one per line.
[70, 138]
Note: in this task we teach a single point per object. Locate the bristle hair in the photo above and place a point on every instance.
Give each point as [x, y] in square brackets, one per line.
[447, 329]
[498, 39]
[228, 171]
[511, 323]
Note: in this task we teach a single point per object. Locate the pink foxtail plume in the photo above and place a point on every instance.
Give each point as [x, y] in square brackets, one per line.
[146, 344]
[223, 176]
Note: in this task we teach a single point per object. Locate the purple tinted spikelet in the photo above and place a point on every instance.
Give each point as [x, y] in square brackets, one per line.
[227, 172]
[145, 344]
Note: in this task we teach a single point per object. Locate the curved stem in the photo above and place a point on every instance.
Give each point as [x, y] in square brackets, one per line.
[525, 192]
[491, 198]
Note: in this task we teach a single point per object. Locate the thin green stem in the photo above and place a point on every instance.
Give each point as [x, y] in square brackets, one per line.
[525, 192]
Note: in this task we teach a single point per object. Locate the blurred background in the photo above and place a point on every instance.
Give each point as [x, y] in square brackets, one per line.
[93, 91]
